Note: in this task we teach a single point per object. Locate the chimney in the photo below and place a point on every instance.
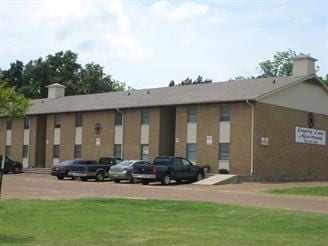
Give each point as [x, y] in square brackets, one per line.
[303, 65]
[56, 90]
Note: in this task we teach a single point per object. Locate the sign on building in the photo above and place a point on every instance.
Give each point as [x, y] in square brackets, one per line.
[310, 136]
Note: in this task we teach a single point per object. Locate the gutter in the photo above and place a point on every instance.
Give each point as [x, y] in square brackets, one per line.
[123, 117]
[252, 136]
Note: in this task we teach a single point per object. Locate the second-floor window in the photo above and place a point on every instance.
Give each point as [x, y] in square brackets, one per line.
[192, 114]
[26, 123]
[224, 112]
[145, 116]
[78, 120]
[57, 121]
[118, 118]
[8, 124]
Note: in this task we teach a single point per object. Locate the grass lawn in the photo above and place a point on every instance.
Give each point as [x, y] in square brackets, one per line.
[154, 222]
[311, 191]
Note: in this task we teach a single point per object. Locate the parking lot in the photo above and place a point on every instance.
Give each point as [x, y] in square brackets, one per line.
[43, 186]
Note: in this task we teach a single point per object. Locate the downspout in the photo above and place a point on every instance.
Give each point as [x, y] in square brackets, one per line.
[123, 117]
[252, 136]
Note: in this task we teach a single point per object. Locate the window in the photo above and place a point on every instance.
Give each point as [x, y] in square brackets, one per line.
[192, 114]
[117, 150]
[224, 151]
[25, 151]
[191, 152]
[8, 150]
[56, 151]
[224, 112]
[144, 152]
[145, 116]
[185, 162]
[78, 120]
[77, 151]
[8, 124]
[57, 121]
[118, 118]
[26, 123]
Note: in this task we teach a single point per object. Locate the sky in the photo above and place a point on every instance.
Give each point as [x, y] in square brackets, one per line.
[147, 44]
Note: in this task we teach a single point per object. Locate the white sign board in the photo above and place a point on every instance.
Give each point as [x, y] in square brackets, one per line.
[264, 141]
[310, 136]
[209, 140]
[97, 141]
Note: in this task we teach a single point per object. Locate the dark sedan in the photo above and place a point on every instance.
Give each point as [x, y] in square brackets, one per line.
[124, 170]
[11, 166]
[61, 170]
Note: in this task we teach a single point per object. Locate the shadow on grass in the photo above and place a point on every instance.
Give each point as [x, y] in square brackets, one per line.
[15, 239]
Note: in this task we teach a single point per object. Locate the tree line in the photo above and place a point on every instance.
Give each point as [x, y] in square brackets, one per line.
[32, 78]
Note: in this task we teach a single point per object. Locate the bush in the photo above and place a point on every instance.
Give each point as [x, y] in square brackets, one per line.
[223, 171]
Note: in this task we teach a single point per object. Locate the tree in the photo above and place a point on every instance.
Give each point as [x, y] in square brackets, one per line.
[189, 81]
[280, 66]
[12, 104]
[325, 79]
[62, 67]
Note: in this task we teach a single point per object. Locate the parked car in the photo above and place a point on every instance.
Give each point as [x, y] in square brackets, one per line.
[11, 166]
[124, 170]
[166, 168]
[94, 170]
[63, 168]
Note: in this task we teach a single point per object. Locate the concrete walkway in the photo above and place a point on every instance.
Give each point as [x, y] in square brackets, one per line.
[47, 187]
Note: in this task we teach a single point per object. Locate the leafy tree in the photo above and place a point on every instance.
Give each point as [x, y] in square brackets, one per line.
[62, 68]
[12, 103]
[280, 66]
[189, 81]
[325, 79]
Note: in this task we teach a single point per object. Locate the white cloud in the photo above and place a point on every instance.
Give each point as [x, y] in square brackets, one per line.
[184, 11]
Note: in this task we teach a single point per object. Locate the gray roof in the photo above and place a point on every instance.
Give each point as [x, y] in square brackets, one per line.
[192, 94]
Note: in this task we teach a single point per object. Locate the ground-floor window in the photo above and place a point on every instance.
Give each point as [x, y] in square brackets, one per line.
[224, 151]
[25, 151]
[191, 152]
[144, 152]
[77, 151]
[118, 150]
[8, 150]
[56, 151]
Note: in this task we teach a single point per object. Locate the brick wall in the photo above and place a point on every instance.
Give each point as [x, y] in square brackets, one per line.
[283, 158]
[17, 139]
[132, 134]
[208, 125]
[49, 140]
[181, 130]
[240, 138]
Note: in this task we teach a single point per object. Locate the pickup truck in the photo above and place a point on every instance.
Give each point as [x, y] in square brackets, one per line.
[167, 168]
[94, 170]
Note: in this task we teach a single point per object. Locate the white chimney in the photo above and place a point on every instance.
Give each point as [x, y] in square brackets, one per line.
[56, 90]
[303, 65]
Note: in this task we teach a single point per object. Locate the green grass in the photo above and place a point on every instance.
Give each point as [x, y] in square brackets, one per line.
[153, 222]
[309, 191]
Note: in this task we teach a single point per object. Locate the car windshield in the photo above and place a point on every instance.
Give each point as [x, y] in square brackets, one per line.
[66, 163]
[125, 163]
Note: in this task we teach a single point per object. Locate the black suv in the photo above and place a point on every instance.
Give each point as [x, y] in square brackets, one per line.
[11, 166]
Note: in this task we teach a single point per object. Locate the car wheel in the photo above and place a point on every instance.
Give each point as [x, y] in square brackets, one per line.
[17, 169]
[134, 180]
[60, 177]
[178, 181]
[100, 176]
[5, 172]
[84, 179]
[145, 182]
[117, 180]
[166, 180]
[199, 177]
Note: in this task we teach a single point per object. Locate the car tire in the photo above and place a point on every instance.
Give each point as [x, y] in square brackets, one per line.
[117, 180]
[60, 177]
[5, 172]
[145, 182]
[134, 180]
[166, 180]
[84, 179]
[199, 177]
[178, 181]
[16, 169]
[100, 176]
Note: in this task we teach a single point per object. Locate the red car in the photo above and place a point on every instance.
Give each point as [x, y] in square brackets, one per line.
[61, 170]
